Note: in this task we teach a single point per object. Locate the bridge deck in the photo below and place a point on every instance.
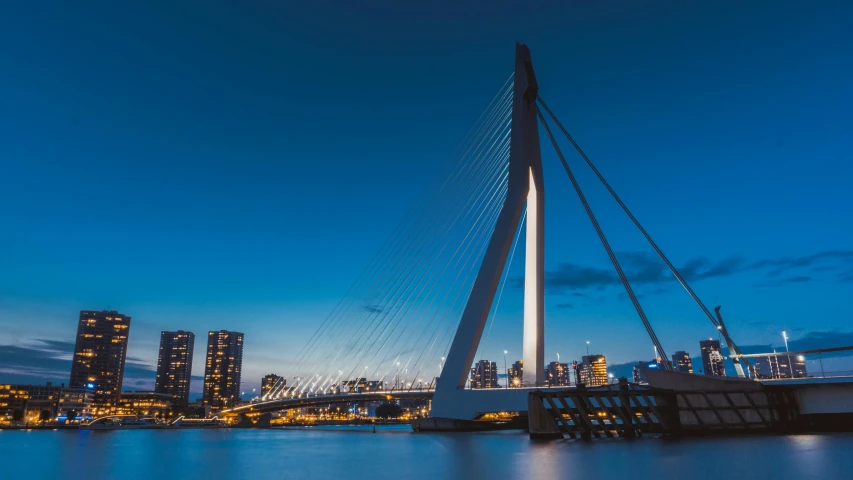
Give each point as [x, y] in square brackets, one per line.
[310, 401]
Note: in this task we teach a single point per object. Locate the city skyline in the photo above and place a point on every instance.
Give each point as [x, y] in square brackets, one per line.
[216, 248]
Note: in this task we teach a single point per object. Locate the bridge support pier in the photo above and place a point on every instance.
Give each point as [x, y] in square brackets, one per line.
[526, 188]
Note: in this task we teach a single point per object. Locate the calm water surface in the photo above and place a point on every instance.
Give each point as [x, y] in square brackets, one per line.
[397, 453]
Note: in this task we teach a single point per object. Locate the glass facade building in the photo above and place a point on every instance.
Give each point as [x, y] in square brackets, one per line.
[592, 371]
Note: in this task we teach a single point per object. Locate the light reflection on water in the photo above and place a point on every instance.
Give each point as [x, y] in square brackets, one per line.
[397, 453]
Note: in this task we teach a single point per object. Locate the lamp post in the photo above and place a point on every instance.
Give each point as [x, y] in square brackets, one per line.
[790, 366]
[506, 371]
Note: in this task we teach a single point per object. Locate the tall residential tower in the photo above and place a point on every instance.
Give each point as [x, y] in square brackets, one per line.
[174, 365]
[222, 368]
[99, 355]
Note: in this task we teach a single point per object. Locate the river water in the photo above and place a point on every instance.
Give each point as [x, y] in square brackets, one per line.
[394, 452]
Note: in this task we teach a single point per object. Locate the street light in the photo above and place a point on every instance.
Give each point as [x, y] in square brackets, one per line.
[506, 371]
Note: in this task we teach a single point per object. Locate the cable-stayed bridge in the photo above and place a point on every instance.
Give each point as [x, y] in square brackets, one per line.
[413, 321]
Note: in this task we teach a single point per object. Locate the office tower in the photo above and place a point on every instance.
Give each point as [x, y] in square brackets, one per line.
[269, 381]
[777, 366]
[484, 375]
[592, 371]
[712, 358]
[174, 365]
[222, 368]
[557, 374]
[681, 362]
[99, 355]
[516, 373]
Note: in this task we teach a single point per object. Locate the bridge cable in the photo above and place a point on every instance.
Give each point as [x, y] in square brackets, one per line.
[409, 216]
[415, 236]
[404, 290]
[432, 276]
[413, 282]
[389, 273]
[606, 244]
[643, 231]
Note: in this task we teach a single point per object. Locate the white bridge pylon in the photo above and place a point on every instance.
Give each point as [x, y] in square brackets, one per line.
[525, 189]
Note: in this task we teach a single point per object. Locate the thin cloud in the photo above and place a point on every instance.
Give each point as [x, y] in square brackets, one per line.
[373, 309]
[50, 360]
[643, 268]
[783, 264]
[785, 281]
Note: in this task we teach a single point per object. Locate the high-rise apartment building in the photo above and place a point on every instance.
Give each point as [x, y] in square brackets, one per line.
[174, 366]
[681, 362]
[712, 358]
[484, 375]
[222, 368]
[557, 374]
[592, 371]
[515, 374]
[100, 352]
[269, 381]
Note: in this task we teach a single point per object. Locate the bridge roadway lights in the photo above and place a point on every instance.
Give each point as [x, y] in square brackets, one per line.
[291, 403]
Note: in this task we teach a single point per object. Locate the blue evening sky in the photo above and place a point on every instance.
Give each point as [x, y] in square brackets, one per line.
[206, 165]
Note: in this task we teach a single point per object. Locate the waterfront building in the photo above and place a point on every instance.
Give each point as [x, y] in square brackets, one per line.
[484, 375]
[269, 381]
[681, 362]
[30, 400]
[145, 403]
[516, 373]
[100, 351]
[223, 368]
[778, 366]
[76, 403]
[592, 371]
[174, 365]
[712, 358]
[557, 374]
